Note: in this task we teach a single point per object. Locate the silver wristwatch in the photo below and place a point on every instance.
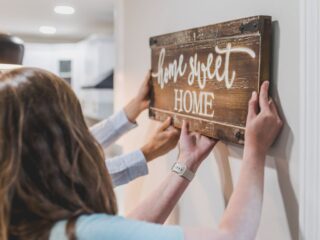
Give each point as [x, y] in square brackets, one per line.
[182, 171]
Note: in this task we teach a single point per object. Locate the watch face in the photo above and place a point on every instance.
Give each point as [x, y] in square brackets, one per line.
[179, 168]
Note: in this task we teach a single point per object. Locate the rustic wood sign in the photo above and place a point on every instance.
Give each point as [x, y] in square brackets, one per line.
[206, 75]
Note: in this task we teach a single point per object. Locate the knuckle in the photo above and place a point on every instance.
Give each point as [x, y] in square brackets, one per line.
[266, 115]
[171, 134]
[167, 134]
[272, 115]
[279, 122]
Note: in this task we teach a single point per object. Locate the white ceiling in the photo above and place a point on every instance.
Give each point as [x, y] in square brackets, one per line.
[24, 17]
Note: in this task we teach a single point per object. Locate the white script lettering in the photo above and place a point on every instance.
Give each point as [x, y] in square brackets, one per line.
[200, 71]
[173, 70]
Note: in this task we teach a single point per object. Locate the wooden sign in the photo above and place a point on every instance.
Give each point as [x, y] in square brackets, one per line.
[207, 75]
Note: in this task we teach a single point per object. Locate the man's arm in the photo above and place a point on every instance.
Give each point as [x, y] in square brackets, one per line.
[128, 167]
[110, 130]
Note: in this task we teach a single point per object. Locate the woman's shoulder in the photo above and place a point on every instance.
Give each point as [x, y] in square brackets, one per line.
[103, 226]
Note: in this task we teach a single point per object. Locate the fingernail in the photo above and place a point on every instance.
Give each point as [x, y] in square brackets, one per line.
[254, 95]
[267, 83]
[185, 122]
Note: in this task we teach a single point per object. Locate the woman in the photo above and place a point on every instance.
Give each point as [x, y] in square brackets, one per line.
[53, 178]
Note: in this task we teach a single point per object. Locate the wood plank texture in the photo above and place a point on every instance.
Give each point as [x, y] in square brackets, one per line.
[206, 75]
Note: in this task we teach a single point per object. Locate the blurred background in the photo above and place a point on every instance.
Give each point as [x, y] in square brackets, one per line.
[71, 38]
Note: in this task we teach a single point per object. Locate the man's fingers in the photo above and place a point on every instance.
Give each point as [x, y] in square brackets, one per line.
[264, 96]
[148, 76]
[147, 80]
[146, 104]
[253, 105]
[165, 124]
[173, 131]
[147, 83]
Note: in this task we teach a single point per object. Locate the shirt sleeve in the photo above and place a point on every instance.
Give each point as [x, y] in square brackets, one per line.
[102, 226]
[127, 167]
[110, 130]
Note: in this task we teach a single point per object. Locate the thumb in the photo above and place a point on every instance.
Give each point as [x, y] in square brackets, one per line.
[165, 124]
[253, 106]
[145, 104]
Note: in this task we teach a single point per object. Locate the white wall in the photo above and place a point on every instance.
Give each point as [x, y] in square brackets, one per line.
[204, 201]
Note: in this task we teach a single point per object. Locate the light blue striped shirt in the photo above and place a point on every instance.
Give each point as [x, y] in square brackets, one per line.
[126, 167]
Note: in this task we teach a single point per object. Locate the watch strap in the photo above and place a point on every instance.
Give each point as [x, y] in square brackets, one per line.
[183, 171]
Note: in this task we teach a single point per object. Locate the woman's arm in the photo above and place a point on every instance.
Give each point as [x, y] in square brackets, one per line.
[242, 216]
[157, 207]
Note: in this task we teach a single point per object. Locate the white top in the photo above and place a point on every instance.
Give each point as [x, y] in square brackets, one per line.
[127, 167]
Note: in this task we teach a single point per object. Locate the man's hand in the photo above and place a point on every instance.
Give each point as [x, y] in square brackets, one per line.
[194, 148]
[262, 127]
[164, 140]
[140, 102]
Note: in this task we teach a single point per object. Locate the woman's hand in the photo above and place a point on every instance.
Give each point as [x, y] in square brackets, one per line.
[194, 148]
[262, 127]
[164, 140]
[140, 102]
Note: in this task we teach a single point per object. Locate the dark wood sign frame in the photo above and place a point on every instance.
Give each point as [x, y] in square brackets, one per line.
[220, 67]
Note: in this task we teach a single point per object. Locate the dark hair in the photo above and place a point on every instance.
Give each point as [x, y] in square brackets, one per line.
[51, 167]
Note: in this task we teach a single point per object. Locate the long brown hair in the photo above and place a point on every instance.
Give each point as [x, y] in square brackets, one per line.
[51, 167]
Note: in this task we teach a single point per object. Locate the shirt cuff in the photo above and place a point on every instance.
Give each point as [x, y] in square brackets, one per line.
[109, 130]
[126, 168]
[122, 122]
[137, 165]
